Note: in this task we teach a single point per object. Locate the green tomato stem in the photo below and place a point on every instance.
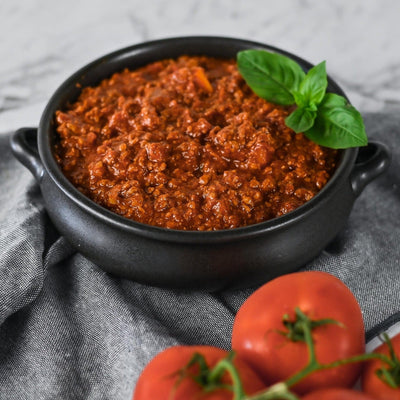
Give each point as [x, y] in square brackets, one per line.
[313, 364]
[282, 390]
[211, 379]
[390, 375]
[279, 391]
[227, 365]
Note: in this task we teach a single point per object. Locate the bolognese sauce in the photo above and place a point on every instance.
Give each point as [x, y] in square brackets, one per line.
[185, 144]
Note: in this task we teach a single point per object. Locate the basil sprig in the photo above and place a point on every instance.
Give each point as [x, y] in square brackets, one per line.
[325, 118]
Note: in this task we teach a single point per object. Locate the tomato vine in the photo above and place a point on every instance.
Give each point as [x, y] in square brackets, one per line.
[304, 326]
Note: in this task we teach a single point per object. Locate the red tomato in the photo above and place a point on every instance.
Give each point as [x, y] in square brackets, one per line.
[336, 394]
[371, 384]
[274, 357]
[159, 380]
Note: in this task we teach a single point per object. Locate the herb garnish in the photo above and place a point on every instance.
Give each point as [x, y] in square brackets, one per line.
[325, 118]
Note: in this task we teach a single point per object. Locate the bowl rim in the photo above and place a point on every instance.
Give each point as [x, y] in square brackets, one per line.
[117, 221]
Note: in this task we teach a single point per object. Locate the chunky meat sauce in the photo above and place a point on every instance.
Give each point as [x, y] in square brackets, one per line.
[185, 144]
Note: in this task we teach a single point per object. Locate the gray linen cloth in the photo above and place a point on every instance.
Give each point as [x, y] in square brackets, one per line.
[70, 331]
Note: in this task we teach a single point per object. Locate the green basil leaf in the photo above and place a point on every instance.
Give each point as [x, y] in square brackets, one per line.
[332, 100]
[272, 76]
[301, 119]
[325, 118]
[337, 126]
[313, 87]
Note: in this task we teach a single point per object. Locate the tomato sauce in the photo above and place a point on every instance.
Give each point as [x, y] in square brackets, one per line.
[185, 144]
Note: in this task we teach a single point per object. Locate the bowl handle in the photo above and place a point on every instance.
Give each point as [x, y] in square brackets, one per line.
[24, 147]
[372, 161]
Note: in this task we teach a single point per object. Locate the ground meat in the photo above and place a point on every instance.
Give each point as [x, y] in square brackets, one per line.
[185, 144]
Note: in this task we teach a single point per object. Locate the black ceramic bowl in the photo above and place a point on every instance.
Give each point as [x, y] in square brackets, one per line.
[189, 259]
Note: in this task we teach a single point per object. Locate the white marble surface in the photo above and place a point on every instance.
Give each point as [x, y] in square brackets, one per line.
[45, 41]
